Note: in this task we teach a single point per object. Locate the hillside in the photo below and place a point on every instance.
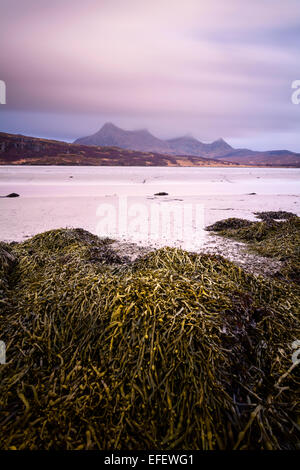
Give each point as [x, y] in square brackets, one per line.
[272, 157]
[23, 150]
[142, 140]
[191, 146]
[111, 135]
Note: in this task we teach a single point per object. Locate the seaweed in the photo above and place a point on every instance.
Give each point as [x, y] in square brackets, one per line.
[231, 222]
[278, 215]
[172, 351]
[270, 238]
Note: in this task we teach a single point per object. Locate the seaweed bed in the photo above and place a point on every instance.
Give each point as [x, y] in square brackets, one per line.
[276, 235]
[172, 351]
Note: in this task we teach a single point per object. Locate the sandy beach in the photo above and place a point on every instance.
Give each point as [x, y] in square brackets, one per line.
[90, 198]
[150, 230]
[69, 196]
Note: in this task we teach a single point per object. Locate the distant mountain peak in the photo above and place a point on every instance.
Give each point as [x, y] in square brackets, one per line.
[221, 143]
[184, 138]
[142, 140]
[188, 136]
[143, 131]
[111, 135]
[108, 126]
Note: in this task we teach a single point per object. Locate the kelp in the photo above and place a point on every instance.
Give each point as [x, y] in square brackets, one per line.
[230, 223]
[172, 351]
[278, 215]
[7, 261]
[270, 238]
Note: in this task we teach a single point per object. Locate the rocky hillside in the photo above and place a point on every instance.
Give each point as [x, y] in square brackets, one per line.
[271, 158]
[142, 140]
[22, 150]
[191, 146]
[111, 135]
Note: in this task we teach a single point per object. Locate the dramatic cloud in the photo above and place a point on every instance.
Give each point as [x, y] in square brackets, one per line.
[211, 68]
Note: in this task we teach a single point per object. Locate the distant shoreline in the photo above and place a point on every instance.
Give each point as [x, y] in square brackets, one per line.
[19, 150]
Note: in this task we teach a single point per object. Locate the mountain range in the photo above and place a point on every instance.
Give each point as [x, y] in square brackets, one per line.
[18, 149]
[143, 140]
[117, 148]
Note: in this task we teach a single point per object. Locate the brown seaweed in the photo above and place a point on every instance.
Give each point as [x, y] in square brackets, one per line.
[172, 351]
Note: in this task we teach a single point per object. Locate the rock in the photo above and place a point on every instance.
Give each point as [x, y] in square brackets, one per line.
[161, 194]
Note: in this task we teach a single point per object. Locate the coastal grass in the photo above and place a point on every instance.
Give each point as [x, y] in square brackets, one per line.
[172, 351]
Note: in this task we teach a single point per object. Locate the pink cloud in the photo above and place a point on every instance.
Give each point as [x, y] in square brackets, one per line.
[161, 63]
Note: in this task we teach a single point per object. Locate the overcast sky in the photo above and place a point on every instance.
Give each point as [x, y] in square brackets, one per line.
[209, 68]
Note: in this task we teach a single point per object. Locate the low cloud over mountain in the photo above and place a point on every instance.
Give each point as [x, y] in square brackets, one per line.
[144, 141]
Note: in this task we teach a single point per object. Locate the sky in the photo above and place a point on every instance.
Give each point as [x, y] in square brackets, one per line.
[206, 68]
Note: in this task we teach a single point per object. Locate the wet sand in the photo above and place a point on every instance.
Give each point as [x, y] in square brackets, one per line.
[93, 198]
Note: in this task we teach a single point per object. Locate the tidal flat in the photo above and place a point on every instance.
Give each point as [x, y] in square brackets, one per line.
[114, 345]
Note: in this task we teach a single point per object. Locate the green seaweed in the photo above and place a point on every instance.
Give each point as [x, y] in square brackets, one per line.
[270, 238]
[173, 351]
[231, 223]
[278, 215]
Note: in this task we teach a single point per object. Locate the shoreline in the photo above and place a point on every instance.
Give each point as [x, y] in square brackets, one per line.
[70, 197]
[232, 250]
[152, 338]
